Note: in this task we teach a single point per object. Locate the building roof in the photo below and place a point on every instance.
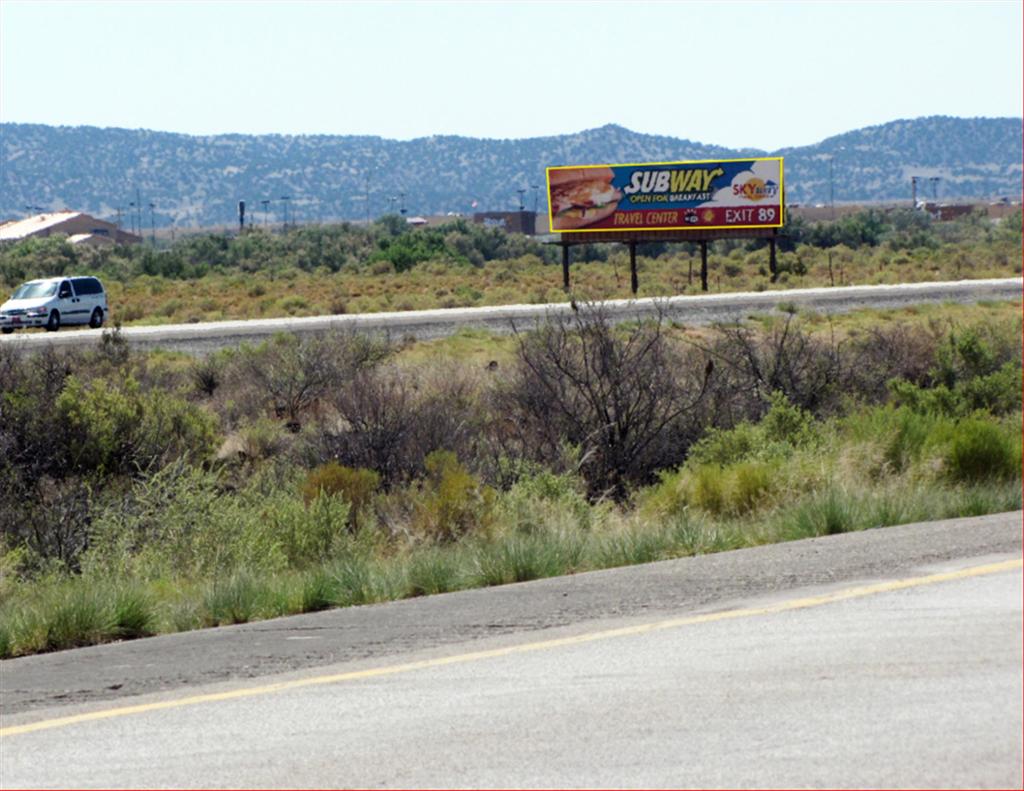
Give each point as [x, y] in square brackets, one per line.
[20, 229]
[90, 238]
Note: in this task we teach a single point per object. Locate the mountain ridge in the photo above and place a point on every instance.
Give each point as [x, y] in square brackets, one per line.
[198, 179]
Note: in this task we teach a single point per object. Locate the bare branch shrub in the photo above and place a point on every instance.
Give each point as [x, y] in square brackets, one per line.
[626, 397]
[289, 375]
[785, 359]
[390, 419]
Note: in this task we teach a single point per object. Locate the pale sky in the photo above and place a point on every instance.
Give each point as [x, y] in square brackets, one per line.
[763, 74]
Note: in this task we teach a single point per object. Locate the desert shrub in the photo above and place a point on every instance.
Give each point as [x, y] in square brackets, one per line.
[784, 429]
[980, 451]
[721, 490]
[906, 436]
[359, 579]
[289, 375]
[884, 353]
[317, 591]
[178, 522]
[392, 419]
[262, 439]
[122, 429]
[518, 557]
[451, 503]
[626, 397]
[540, 500]
[65, 613]
[727, 446]
[998, 392]
[235, 598]
[49, 518]
[356, 487]
[304, 533]
[207, 374]
[134, 611]
[809, 370]
[432, 570]
[824, 513]
[634, 544]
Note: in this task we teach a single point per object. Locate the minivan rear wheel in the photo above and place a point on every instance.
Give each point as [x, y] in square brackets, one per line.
[96, 319]
[54, 322]
[6, 330]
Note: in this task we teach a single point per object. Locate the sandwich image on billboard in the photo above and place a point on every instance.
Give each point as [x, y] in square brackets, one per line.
[655, 196]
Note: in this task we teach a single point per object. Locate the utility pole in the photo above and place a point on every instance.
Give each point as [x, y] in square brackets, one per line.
[265, 203]
[935, 187]
[913, 191]
[368, 171]
[536, 196]
[286, 198]
[401, 204]
[521, 192]
[138, 209]
[831, 187]
[152, 223]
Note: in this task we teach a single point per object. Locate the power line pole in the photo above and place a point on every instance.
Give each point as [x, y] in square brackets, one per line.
[831, 187]
[286, 198]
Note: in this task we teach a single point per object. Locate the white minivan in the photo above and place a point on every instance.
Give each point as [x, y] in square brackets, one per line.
[55, 301]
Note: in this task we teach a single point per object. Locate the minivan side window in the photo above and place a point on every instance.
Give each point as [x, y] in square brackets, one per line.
[65, 290]
[87, 285]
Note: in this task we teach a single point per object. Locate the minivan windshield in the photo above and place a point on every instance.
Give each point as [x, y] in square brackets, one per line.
[34, 290]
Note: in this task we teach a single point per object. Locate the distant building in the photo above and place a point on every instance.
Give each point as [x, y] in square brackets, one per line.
[945, 211]
[79, 227]
[513, 221]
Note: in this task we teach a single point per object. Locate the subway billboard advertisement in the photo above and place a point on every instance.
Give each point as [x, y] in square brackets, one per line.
[659, 196]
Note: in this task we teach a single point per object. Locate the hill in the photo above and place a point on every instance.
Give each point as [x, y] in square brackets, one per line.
[199, 180]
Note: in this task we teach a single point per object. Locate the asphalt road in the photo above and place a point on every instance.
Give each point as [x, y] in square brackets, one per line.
[206, 337]
[801, 664]
[889, 686]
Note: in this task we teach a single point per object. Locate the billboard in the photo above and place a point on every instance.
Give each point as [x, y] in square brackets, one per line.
[661, 196]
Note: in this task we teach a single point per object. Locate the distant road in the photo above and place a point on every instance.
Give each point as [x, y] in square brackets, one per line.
[887, 658]
[427, 324]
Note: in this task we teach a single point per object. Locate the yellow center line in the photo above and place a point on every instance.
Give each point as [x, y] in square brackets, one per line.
[543, 645]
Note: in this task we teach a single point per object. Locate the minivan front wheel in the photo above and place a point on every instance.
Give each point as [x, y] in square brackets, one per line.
[96, 319]
[54, 322]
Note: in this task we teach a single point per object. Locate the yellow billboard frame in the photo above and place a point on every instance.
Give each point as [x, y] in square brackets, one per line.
[782, 195]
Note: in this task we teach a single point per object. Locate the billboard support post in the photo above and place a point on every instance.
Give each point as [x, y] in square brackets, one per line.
[634, 282]
[703, 265]
[773, 266]
[565, 267]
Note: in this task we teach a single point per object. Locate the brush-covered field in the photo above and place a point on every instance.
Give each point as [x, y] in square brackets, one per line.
[152, 493]
[387, 266]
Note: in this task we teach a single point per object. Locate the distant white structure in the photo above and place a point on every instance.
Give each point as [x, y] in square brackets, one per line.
[79, 227]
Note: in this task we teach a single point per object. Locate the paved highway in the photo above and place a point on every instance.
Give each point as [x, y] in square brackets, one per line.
[426, 324]
[887, 658]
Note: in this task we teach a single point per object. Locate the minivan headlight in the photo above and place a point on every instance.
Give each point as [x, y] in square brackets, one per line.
[36, 312]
